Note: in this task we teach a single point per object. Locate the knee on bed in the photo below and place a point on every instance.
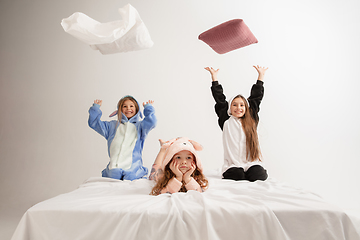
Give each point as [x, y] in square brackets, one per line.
[234, 173]
[115, 173]
[133, 174]
[256, 172]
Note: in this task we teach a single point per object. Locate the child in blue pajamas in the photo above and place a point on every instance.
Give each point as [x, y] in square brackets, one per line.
[125, 137]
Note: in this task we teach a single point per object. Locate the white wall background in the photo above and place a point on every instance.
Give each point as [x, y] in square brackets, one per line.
[309, 119]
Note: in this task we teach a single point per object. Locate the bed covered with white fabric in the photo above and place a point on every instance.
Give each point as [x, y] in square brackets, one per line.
[104, 208]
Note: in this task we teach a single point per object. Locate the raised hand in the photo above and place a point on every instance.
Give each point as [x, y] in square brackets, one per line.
[98, 101]
[150, 101]
[261, 70]
[213, 72]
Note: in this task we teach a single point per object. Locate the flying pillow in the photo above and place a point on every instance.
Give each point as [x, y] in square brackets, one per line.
[128, 34]
[228, 36]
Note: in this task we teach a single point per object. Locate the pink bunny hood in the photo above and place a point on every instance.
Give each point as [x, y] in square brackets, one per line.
[181, 144]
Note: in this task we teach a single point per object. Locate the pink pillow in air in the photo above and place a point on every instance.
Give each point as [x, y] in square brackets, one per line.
[228, 36]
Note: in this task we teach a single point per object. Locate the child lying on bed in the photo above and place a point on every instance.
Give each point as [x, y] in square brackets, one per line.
[177, 167]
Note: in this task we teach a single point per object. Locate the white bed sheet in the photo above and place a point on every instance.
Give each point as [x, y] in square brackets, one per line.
[103, 208]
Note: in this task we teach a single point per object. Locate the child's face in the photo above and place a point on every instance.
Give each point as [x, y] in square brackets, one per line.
[184, 159]
[237, 107]
[128, 109]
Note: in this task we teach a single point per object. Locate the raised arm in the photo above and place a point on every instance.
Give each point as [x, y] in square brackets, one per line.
[149, 122]
[94, 119]
[261, 71]
[213, 73]
[257, 92]
[221, 105]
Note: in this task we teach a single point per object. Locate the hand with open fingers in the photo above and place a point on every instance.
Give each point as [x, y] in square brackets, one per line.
[187, 175]
[174, 166]
[148, 102]
[98, 101]
[213, 72]
[261, 70]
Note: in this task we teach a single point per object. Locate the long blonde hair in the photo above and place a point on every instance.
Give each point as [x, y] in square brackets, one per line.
[168, 174]
[249, 125]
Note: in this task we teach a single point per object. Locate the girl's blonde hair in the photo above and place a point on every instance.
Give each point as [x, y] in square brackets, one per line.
[249, 126]
[121, 103]
[168, 174]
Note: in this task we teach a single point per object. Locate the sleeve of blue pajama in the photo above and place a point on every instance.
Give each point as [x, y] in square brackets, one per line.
[149, 121]
[95, 123]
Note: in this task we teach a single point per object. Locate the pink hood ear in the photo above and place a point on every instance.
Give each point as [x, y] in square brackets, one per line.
[196, 145]
[181, 144]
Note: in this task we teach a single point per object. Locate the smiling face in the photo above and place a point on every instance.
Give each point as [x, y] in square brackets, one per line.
[128, 108]
[184, 159]
[237, 107]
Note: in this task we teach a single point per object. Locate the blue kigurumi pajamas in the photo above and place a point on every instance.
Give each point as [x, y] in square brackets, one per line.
[125, 140]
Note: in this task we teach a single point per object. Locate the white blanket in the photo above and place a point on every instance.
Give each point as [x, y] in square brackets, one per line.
[127, 34]
[103, 208]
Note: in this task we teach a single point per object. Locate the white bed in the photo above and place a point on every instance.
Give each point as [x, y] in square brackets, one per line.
[103, 208]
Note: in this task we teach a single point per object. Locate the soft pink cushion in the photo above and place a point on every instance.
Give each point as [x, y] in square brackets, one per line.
[228, 36]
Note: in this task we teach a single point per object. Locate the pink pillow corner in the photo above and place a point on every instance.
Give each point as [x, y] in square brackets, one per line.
[228, 36]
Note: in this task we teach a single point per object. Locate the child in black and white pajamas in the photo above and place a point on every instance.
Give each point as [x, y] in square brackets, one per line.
[241, 160]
